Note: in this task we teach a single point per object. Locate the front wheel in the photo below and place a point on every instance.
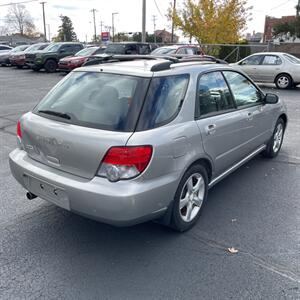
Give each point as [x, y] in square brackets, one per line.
[189, 199]
[50, 66]
[274, 144]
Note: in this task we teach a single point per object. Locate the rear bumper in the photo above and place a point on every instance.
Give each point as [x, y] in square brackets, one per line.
[121, 203]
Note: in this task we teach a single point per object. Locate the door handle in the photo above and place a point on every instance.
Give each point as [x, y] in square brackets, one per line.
[211, 129]
[249, 116]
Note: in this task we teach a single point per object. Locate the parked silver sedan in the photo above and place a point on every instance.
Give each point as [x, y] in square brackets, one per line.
[283, 69]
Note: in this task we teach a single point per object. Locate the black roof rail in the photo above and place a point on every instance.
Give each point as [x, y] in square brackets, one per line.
[161, 66]
[95, 60]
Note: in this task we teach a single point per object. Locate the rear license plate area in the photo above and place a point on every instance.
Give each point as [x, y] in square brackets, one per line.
[47, 191]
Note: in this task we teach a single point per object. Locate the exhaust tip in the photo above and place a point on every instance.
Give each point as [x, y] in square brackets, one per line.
[30, 196]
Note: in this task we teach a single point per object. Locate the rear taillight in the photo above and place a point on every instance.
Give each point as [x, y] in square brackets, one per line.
[125, 162]
[19, 130]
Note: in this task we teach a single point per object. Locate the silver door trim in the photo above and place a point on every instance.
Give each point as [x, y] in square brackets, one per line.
[236, 166]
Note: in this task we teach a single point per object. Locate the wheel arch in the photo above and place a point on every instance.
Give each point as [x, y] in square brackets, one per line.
[206, 163]
[283, 116]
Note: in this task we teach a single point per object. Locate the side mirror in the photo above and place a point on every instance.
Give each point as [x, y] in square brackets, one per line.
[271, 99]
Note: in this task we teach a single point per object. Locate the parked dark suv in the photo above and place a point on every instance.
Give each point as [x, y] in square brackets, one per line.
[125, 48]
[49, 57]
[128, 48]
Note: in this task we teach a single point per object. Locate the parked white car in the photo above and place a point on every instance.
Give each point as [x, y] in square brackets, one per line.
[283, 69]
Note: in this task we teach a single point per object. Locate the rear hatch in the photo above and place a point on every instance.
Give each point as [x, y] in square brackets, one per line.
[75, 149]
[87, 113]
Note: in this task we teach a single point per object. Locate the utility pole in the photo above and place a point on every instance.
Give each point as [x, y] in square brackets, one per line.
[174, 8]
[101, 26]
[298, 8]
[154, 27]
[144, 22]
[95, 32]
[49, 34]
[45, 33]
[113, 25]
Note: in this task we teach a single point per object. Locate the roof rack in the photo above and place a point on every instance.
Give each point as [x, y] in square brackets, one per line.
[160, 66]
[95, 60]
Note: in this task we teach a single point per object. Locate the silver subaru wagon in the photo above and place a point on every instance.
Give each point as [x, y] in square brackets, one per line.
[127, 142]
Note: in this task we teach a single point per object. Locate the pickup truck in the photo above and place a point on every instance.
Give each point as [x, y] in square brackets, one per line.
[49, 57]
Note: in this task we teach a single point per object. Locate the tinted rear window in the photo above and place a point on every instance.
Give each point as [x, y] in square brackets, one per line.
[97, 100]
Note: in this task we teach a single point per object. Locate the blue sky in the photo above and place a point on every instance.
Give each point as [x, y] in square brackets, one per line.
[129, 13]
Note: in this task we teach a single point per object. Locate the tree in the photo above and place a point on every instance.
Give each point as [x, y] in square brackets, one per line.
[19, 20]
[211, 21]
[66, 31]
[292, 27]
[137, 37]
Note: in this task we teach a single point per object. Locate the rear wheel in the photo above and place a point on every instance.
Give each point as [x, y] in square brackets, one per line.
[50, 66]
[274, 145]
[189, 199]
[283, 81]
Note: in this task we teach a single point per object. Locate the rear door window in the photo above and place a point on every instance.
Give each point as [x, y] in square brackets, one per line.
[163, 101]
[272, 60]
[213, 95]
[97, 100]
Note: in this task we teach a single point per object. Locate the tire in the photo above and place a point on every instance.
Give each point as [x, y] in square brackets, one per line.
[19, 67]
[283, 81]
[275, 142]
[187, 210]
[36, 69]
[50, 66]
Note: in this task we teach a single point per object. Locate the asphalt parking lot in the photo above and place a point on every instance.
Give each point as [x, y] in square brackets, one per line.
[49, 253]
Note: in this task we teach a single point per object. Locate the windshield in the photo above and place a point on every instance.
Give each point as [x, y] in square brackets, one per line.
[164, 51]
[97, 100]
[86, 51]
[115, 49]
[292, 59]
[36, 47]
[19, 48]
[52, 47]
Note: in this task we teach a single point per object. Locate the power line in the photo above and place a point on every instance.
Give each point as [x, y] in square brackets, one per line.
[158, 9]
[280, 5]
[12, 3]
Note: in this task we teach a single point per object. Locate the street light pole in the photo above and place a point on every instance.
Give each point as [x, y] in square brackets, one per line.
[45, 33]
[113, 25]
[174, 8]
[154, 27]
[144, 22]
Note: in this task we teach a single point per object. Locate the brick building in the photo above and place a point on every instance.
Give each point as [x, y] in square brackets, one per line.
[270, 22]
[166, 37]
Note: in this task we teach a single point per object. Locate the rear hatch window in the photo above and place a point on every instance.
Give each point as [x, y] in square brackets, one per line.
[97, 100]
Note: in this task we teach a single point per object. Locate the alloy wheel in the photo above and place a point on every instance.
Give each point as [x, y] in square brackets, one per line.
[191, 197]
[277, 137]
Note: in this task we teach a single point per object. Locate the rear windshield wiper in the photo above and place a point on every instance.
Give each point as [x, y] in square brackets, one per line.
[56, 113]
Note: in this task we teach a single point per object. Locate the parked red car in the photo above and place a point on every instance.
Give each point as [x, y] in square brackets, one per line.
[18, 59]
[71, 62]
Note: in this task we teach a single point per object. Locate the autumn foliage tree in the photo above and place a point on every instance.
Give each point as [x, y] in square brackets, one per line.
[211, 21]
